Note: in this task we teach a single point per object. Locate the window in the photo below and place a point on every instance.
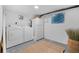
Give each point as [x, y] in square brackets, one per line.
[58, 18]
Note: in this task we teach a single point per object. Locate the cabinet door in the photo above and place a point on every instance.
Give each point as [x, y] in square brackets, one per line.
[14, 37]
[28, 34]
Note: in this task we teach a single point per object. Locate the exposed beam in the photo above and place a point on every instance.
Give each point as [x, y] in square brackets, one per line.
[63, 9]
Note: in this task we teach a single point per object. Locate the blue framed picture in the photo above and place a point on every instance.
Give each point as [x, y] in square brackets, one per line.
[58, 18]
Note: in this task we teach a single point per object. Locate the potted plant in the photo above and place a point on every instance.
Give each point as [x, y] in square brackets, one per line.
[73, 41]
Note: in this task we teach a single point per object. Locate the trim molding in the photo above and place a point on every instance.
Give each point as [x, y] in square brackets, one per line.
[63, 9]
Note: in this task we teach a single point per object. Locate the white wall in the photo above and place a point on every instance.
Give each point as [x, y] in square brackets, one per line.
[12, 17]
[72, 19]
[57, 32]
[0, 22]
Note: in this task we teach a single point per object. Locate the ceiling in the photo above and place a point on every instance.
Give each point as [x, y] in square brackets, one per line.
[30, 10]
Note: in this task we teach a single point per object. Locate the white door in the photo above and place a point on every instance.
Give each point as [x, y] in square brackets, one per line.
[37, 29]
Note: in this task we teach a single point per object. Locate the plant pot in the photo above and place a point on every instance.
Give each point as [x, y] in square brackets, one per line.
[73, 46]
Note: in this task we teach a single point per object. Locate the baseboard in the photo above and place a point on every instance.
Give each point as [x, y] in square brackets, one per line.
[19, 44]
[40, 39]
[55, 42]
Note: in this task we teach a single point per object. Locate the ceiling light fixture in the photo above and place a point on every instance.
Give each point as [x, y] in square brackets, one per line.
[36, 7]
